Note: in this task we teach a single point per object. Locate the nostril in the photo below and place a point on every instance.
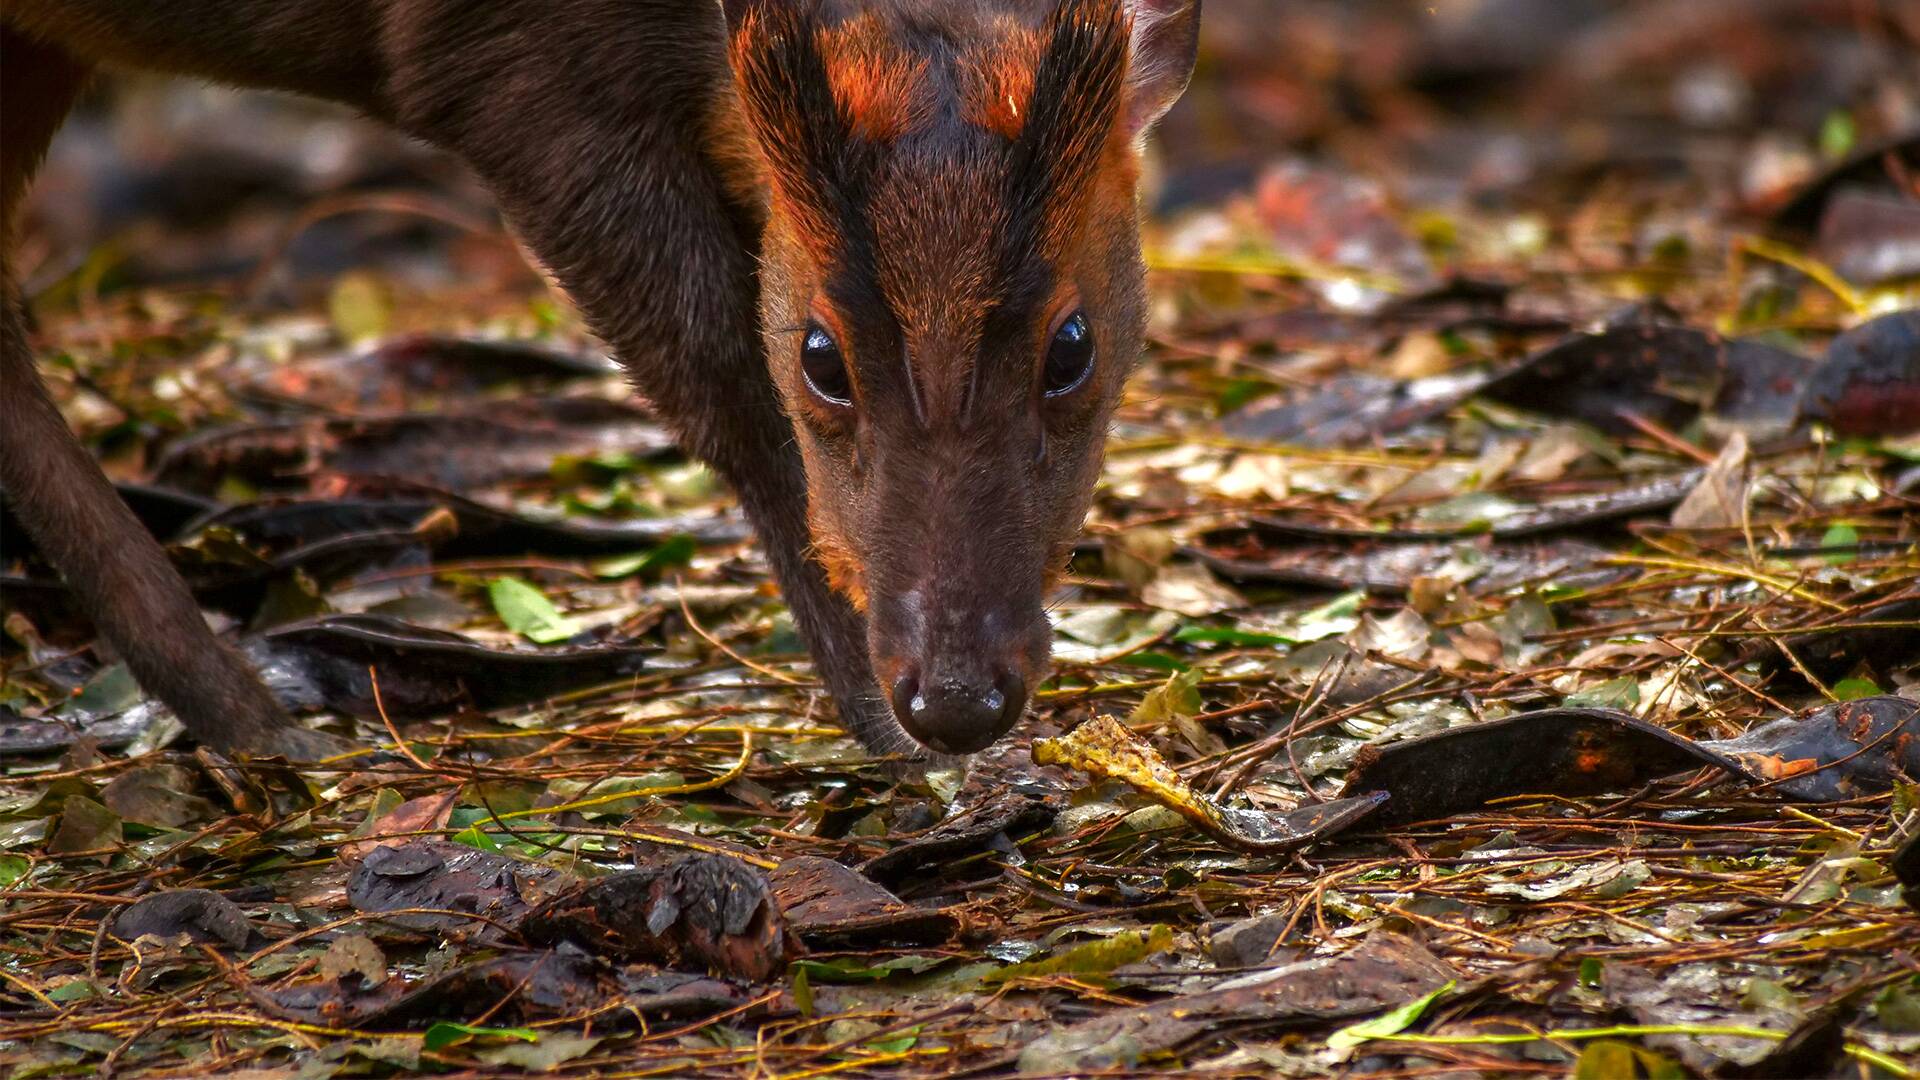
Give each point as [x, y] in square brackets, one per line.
[1008, 698]
[906, 696]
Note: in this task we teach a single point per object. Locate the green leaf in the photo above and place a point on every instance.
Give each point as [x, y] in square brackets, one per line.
[1157, 661]
[110, 690]
[1898, 1006]
[1235, 393]
[1094, 957]
[446, 1033]
[77, 990]
[474, 838]
[1767, 994]
[1840, 536]
[1220, 635]
[1590, 971]
[847, 970]
[802, 991]
[12, 869]
[676, 551]
[1336, 616]
[1392, 1022]
[1855, 689]
[896, 1044]
[554, 1049]
[1620, 693]
[1837, 135]
[528, 612]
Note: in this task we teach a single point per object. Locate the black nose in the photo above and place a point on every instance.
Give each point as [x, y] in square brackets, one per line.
[958, 716]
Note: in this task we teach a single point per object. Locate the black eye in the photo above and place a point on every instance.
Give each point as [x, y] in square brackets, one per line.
[824, 368]
[1069, 356]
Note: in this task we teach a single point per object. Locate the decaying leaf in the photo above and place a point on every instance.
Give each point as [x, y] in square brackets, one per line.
[1106, 748]
[827, 904]
[708, 911]
[1385, 972]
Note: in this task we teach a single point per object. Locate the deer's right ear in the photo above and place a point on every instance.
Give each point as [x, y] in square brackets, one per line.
[1166, 39]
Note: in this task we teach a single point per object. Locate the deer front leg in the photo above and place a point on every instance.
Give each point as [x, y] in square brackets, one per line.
[116, 570]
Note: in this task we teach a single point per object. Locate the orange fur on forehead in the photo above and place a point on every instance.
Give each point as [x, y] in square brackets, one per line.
[880, 89]
[996, 83]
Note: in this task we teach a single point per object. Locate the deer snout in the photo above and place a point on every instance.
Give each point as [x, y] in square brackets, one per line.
[956, 673]
[956, 714]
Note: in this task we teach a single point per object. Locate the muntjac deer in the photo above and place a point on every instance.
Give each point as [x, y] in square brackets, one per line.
[876, 261]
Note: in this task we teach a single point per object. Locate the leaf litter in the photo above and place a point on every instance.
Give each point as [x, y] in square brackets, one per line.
[1505, 565]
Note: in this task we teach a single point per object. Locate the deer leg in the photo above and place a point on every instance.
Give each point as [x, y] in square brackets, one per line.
[116, 569]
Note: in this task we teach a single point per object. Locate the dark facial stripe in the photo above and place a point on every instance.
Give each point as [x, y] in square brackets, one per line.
[825, 169]
[1077, 92]
[819, 163]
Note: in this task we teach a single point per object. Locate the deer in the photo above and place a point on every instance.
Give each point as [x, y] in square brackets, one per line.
[876, 262]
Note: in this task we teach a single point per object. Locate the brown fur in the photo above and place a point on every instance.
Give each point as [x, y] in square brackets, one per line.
[703, 187]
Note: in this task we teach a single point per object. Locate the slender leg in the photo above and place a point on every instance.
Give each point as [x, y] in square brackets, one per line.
[121, 576]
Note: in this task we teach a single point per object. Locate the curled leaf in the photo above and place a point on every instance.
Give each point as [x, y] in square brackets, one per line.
[1106, 748]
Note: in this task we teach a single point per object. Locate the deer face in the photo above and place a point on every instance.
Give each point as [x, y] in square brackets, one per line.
[952, 296]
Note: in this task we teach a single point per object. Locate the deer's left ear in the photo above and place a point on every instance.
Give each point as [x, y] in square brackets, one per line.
[1166, 36]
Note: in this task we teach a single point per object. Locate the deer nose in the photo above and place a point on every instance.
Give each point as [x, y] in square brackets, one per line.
[954, 715]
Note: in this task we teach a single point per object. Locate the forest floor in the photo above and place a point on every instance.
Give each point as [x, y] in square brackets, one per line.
[1508, 617]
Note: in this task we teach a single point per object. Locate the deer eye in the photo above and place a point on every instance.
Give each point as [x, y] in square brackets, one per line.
[1069, 356]
[823, 366]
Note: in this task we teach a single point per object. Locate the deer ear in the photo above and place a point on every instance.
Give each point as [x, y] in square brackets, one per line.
[1166, 37]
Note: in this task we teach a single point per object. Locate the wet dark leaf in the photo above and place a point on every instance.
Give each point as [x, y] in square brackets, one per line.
[386, 374]
[828, 904]
[459, 450]
[324, 663]
[1873, 167]
[157, 795]
[1869, 238]
[1642, 368]
[1575, 751]
[1906, 867]
[1392, 566]
[1839, 751]
[1871, 635]
[1547, 515]
[1252, 942]
[1351, 409]
[966, 832]
[205, 917]
[1869, 383]
[452, 881]
[481, 531]
[1817, 1047]
[534, 984]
